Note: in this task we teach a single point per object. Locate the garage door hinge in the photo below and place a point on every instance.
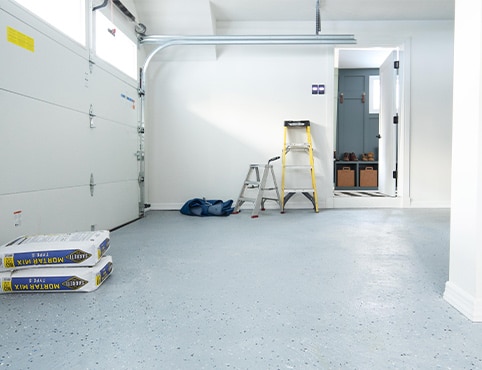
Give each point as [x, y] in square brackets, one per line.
[91, 116]
[92, 184]
[91, 66]
[396, 64]
[140, 155]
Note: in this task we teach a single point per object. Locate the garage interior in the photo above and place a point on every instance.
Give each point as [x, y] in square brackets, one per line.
[366, 282]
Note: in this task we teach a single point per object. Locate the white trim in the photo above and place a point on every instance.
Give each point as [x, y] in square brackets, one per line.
[463, 302]
[402, 199]
[429, 204]
[403, 186]
[367, 202]
[165, 206]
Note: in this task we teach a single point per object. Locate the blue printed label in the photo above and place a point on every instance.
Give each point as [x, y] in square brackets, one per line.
[29, 259]
[104, 246]
[103, 274]
[46, 283]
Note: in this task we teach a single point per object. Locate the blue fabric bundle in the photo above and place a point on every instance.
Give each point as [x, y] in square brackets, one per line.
[203, 207]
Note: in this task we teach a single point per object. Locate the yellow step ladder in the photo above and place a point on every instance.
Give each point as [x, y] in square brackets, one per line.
[255, 186]
[296, 168]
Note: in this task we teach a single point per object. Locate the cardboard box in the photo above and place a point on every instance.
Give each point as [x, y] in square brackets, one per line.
[345, 177]
[68, 250]
[368, 177]
[56, 279]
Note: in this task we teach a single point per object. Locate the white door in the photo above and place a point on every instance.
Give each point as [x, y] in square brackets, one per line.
[388, 130]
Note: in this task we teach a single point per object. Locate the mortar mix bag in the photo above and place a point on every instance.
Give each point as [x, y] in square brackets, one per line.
[56, 279]
[67, 250]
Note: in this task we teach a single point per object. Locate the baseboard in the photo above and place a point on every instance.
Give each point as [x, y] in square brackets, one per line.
[335, 202]
[468, 305]
[367, 202]
[165, 206]
[429, 204]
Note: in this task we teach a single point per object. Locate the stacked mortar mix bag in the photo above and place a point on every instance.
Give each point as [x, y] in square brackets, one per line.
[73, 262]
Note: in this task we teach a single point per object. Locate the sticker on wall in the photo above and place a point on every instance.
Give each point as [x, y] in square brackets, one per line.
[129, 99]
[17, 215]
[20, 39]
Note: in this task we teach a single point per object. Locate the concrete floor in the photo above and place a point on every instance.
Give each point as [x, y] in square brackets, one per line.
[341, 289]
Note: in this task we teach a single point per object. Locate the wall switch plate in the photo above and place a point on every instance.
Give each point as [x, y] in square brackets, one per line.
[318, 89]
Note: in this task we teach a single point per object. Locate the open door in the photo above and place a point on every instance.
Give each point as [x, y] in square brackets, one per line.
[387, 183]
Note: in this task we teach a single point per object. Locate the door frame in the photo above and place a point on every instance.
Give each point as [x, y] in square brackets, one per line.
[402, 198]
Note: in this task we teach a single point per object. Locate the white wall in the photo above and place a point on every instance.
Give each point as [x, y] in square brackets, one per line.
[207, 120]
[210, 120]
[48, 150]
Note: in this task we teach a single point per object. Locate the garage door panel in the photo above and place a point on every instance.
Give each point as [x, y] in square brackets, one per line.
[47, 146]
[115, 204]
[52, 211]
[113, 98]
[49, 72]
[113, 155]
[67, 210]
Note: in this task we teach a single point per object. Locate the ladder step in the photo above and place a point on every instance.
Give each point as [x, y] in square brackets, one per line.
[298, 166]
[298, 146]
[299, 190]
[275, 199]
[253, 183]
[245, 199]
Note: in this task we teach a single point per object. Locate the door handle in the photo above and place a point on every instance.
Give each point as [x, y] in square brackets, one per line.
[363, 96]
[341, 98]
[378, 136]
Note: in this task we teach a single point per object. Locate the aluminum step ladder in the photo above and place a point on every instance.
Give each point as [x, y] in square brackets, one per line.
[255, 187]
[298, 168]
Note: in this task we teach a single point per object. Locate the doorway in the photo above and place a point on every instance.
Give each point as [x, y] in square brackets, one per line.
[366, 140]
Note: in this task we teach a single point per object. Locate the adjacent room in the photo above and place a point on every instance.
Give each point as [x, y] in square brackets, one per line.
[284, 184]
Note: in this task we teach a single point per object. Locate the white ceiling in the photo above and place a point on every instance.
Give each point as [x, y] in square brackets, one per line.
[302, 10]
[192, 13]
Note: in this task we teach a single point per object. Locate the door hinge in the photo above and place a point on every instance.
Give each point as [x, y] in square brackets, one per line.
[396, 64]
[395, 174]
[141, 178]
[395, 119]
[91, 65]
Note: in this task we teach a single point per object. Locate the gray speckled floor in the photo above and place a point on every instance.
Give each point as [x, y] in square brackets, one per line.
[341, 289]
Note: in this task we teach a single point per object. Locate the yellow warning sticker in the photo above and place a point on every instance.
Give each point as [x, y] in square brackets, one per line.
[20, 39]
